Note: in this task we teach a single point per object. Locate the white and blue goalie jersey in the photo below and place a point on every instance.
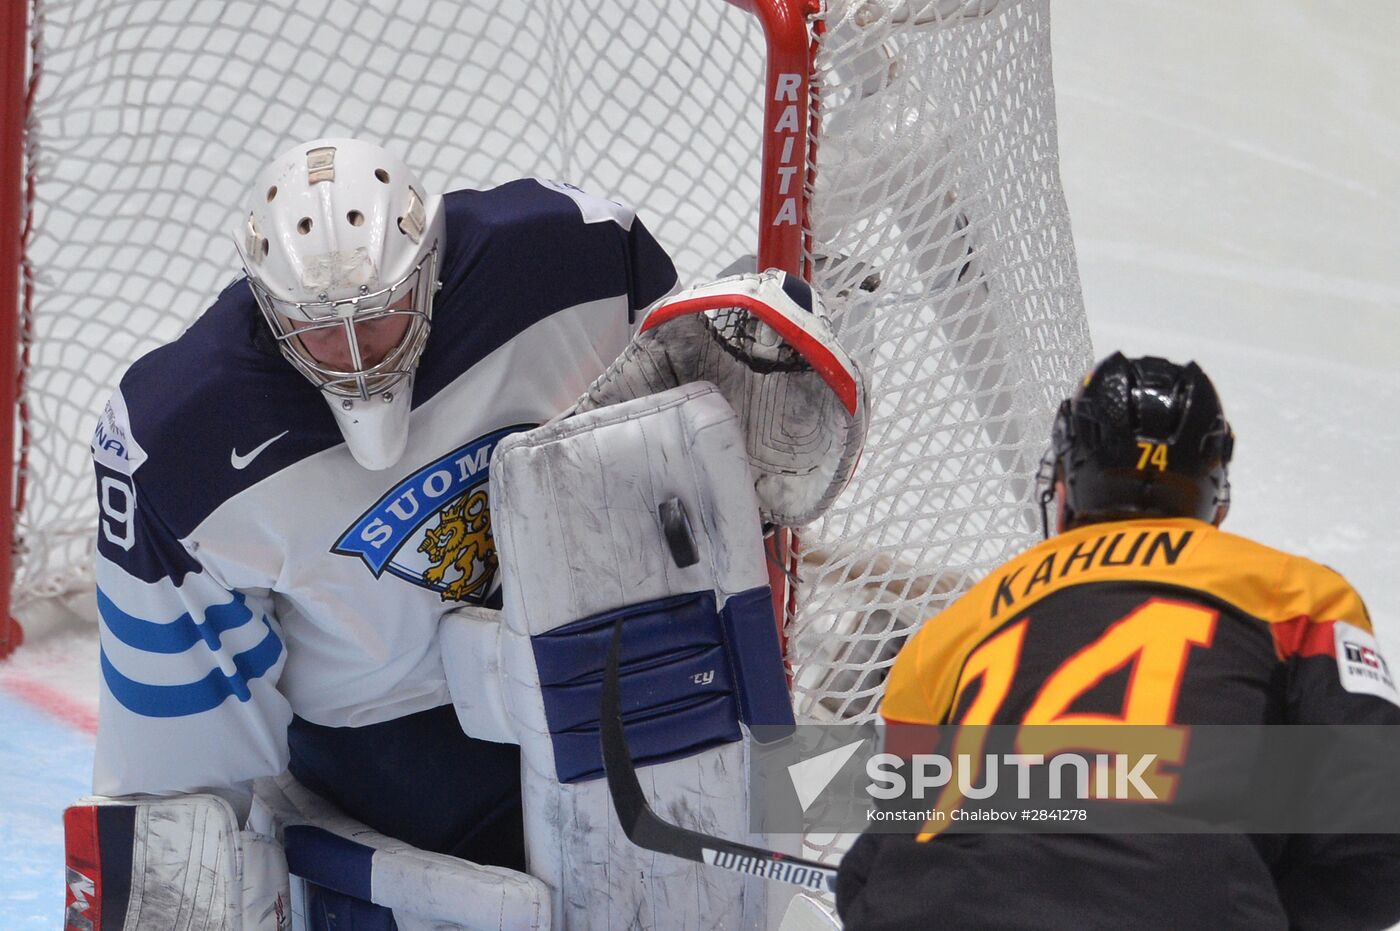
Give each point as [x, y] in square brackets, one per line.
[248, 568]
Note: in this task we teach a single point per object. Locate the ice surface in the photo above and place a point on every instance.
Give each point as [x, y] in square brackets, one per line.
[45, 765]
[1232, 175]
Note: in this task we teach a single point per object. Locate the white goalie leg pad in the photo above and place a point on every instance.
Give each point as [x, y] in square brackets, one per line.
[178, 863]
[765, 340]
[426, 891]
[643, 514]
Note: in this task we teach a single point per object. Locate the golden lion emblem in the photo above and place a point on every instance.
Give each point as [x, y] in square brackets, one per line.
[461, 540]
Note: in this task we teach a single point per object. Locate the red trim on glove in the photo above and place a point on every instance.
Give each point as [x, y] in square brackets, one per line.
[822, 360]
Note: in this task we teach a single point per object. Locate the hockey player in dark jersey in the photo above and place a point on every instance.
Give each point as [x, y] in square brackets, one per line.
[293, 496]
[1238, 633]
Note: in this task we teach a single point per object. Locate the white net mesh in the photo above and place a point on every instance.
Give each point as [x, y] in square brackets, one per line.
[936, 171]
[153, 116]
[940, 237]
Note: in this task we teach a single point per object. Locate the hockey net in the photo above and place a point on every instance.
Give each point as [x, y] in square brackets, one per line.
[916, 186]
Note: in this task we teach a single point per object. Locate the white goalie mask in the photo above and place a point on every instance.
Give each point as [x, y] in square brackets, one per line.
[342, 250]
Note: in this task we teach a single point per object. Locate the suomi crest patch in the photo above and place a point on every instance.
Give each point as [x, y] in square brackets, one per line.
[434, 528]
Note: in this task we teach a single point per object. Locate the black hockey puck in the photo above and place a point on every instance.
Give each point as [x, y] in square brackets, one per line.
[675, 524]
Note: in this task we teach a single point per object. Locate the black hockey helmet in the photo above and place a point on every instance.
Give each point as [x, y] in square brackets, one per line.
[1141, 437]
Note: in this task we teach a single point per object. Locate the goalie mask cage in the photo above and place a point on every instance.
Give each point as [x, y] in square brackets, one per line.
[901, 154]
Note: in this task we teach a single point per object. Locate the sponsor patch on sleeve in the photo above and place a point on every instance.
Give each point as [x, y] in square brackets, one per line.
[1360, 665]
[112, 442]
[594, 209]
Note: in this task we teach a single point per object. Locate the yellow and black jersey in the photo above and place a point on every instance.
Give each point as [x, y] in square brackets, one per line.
[1147, 622]
[1151, 622]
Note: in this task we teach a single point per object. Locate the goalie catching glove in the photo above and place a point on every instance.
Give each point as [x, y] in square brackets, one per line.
[766, 342]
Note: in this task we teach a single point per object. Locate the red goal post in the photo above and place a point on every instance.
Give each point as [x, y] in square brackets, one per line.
[900, 154]
[783, 197]
[14, 71]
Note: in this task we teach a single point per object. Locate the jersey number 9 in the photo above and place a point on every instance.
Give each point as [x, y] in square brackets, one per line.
[118, 500]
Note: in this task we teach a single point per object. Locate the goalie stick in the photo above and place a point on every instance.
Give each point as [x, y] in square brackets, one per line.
[645, 829]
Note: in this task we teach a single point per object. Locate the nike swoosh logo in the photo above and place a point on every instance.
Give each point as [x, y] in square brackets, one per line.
[242, 462]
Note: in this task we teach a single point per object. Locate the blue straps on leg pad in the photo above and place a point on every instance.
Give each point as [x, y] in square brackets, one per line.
[338, 872]
[689, 674]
